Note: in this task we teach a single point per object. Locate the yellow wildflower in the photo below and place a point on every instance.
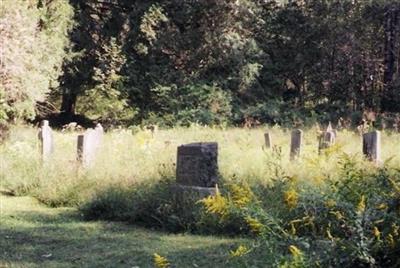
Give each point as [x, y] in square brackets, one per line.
[293, 179]
[395, 185]
[382, 206]
[241, 195]
[330, 203]
[338, 214]
[361, 205]
[318, 180]
[239, 252]
[395, 229]
[291, 198]
[292, 229]
[255, 226]
[160, 262]
[377, 233]
[143, 138]
[295, 251]
[216, 204]
[390, 240]
[328, 233]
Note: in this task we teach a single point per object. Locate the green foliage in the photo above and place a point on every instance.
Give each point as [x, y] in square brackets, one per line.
[283, 62]
[34, 37]
[106, 100]
[198, 103]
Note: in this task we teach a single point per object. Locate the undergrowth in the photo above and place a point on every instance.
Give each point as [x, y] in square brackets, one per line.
[323, 210]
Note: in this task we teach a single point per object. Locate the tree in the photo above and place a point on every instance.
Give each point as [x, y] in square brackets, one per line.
[33, 36]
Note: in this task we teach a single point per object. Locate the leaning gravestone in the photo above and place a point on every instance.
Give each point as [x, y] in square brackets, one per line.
[197, 167]
[46, 140]
[372, 146]
[86, 147]
[295, 144]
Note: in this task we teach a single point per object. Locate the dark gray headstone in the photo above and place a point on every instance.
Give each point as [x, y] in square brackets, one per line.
[268, 142]
[295, 144]
[197, 164]
[46, 140]
[372, 146]
[326, 140]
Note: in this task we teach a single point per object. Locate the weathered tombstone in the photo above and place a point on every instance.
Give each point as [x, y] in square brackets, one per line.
[46, 140]
[99, 132]
[372, 146]
[327, 138]
[86, 147]
[295, 145]
[197, 167]
[330, 128]
[268, 143]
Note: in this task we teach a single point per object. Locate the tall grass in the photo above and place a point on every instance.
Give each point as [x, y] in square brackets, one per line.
[333, 209]
[129, 157]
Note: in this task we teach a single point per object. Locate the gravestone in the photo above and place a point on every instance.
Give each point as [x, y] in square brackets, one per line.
[197, 167]
[99, 133]
[327, 138]
[86, 147]
[46, 140]
[372, 146]
[295, 144]
[267, 138]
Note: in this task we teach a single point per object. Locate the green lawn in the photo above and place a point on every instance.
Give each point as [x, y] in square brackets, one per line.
[32, 235]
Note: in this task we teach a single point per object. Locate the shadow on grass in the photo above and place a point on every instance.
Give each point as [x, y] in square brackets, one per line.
[47, 238]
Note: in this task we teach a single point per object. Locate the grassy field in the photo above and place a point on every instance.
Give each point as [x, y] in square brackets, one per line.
[333, 209]
[127, 158]
[33, 235]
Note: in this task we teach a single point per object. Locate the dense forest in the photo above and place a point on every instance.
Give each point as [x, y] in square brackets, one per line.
[212, 62]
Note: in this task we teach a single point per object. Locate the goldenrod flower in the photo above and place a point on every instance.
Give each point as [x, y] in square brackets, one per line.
[216, 204]
[160, 262]
[391, 241]
[292, 229]
[318, 180]
[395, 185]
[255, 226]
[295, 251]
[291, 198]
[330, 203]
[338, 214]
[293, 179]
[361, 205]
[377, 233]
[395, 229]
[328, 234]
[382, 206]
[241, 195]
[240, 251]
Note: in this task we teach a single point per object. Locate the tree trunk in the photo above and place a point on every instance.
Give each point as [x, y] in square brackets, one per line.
[391, 26]
[68, 103]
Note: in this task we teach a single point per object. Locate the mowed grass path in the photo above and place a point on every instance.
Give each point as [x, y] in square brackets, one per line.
[33, 235]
